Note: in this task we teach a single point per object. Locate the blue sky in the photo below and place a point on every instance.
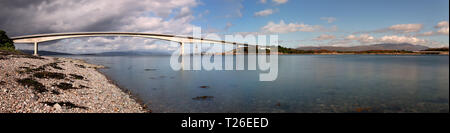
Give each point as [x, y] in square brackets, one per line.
[297, 22]
[351, 16]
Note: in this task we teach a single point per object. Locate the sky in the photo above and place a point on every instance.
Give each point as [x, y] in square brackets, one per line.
[297, 22]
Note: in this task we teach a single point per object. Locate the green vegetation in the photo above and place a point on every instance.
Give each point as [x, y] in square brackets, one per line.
[296, 51]
[6, 43]
[285, 50]
[379, 51]
[436, 49]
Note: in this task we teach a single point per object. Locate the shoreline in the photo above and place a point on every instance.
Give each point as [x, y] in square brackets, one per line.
[126, 91]
[45, 84]
[335, 53]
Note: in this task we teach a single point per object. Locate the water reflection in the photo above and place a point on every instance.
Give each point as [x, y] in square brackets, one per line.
[306, 83]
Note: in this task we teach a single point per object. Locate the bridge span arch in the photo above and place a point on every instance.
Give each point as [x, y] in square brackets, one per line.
[38, 38]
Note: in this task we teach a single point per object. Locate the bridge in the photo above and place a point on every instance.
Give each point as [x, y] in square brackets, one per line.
[38, 38]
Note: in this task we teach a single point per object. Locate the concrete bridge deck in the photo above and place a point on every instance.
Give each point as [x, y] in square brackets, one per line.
[38, 38]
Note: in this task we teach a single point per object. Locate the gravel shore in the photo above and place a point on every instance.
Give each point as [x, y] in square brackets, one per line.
[31, 84]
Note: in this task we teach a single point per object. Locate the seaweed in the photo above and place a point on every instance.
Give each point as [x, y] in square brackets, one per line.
[31, 82]
[54, 65]
[68, 105]
[29, 70]
[80, 66]
[40, 68]
[46, 74]
[79, 77]
[2, 82]
[82, 86]
[55, 92]
[65, 86]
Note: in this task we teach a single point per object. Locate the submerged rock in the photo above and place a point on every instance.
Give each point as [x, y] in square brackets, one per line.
[204, 86]
[278, 104]
[203, 98]
[150, 69]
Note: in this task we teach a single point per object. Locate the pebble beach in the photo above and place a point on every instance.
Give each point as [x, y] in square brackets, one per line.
[32, 84]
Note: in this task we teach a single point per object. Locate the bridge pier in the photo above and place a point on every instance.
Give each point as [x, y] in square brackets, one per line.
[181, 54]
[182, 48]
[35, 49]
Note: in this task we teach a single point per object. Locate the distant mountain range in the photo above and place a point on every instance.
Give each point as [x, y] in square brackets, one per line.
[402, 46]
[116, 53]
[45, 52]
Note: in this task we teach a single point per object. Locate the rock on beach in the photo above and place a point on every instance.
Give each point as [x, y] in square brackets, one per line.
[23, 92]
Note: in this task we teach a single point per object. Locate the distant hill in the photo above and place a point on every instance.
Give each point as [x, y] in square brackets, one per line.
[402, 46]
[120, 53]
[115, 53]
[45, 52]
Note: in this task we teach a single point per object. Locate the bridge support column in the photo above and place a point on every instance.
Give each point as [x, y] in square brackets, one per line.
[35, 49]
[181, 55]
[182, 48]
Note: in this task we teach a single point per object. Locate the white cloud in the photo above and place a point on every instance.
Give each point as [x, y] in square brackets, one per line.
[263, 1]
[406, 28]
[401, 39]
[328, 19]
[152, 16]
[272, 27]
[324, 37]
[442, 24]
[278, 2]
[368, 39]
[101, 44]
[264, 12]
[429, 33]
[443, 30]
[88, 15]
[443, 27]
[364, 38]
[282, 27]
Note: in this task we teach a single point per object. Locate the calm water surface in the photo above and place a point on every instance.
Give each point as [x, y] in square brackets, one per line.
[305, 83]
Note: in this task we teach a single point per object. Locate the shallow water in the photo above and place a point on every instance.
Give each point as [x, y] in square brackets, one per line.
[305, 83]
